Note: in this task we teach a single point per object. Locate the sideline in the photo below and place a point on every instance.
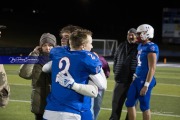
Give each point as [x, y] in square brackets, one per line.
[168, 65]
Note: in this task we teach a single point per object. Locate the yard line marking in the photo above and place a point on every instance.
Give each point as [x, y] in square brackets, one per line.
[108, 81]
[111, 80]
[166, 95]
[167, 84]
[153, 113]
[157, 83]
[19, 101]
[19, 84]
[158, 64]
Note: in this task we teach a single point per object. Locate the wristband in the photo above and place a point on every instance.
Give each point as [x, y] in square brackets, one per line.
[146, 84]
[70, 85]
[75, 87]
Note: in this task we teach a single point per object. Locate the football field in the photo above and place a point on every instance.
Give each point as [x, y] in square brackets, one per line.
[165, 100]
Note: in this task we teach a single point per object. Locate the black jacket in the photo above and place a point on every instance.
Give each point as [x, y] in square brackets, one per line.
[125, 62]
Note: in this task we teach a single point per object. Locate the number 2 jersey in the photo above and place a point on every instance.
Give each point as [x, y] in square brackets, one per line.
[80, 65]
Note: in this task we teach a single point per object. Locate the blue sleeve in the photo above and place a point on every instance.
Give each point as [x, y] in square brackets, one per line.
[93, 63]
[153, 48]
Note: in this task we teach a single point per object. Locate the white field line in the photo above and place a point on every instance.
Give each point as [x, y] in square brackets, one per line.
[158, 64]
[153, 113]
[168, 84]
[19, 101]
[112, 81]
[109, 109]
[19, 84]
[108, 81]
[157, 83]
[166, 95]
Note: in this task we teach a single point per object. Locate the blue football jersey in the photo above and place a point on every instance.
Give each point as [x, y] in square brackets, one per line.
[80, 65]
[142, 57]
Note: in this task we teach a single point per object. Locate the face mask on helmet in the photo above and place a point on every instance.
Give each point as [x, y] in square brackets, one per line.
[145, 31]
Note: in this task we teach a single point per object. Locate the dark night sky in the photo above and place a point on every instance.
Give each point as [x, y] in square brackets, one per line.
[107, 19]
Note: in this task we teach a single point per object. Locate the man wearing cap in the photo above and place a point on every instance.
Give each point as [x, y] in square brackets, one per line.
[123, 68]
[40, 81]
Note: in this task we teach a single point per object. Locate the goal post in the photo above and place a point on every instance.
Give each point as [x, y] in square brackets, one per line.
[105, 47]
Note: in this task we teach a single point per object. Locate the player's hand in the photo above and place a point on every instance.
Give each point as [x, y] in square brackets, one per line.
[37, 49]
[65, 79]
[143, 91]
[134, 77]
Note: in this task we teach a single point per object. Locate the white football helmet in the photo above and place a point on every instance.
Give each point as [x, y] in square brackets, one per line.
[146, 31]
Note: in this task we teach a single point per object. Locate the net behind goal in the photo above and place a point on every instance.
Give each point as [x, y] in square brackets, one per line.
[104, 47]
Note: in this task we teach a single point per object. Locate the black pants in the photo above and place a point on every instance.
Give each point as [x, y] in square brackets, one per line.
[119, 97]
[38, 116]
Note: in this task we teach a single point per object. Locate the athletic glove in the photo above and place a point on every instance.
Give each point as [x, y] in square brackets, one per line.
[65, 79]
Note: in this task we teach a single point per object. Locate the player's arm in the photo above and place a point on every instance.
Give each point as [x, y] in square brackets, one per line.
[89, 89]
[47, 67]
[25, 70]
[99, 80]
[152, 66]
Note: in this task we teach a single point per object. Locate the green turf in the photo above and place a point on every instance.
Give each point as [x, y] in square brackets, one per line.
[16, 111]
[164, 102]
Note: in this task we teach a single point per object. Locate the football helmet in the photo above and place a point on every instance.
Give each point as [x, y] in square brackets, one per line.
[145, 31]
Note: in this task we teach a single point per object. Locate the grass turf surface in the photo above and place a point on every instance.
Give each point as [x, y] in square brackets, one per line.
[164, 102]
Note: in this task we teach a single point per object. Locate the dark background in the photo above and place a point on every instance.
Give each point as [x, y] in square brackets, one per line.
[107, 19]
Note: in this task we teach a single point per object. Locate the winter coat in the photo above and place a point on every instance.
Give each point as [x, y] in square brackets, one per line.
[41, 82]
[125, 62]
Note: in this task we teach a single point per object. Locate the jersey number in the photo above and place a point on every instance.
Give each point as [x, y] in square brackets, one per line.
[64, 63]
